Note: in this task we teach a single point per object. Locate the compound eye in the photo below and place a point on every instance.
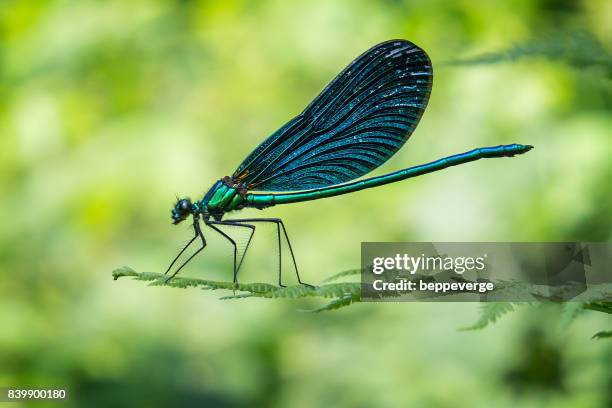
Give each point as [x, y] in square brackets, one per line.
[184, 206]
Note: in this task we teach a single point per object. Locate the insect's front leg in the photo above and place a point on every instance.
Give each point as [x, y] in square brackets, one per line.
[198, 233]
[180, 253]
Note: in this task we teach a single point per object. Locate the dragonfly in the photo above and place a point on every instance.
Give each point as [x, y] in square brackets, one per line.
[361, 119]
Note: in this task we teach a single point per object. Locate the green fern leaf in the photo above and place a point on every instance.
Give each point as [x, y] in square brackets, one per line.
[239, 296]
[569, 312]
[605, 334]
[336, 304]
[604, 307]
[489, 313]
[577, 48]
[344, 293]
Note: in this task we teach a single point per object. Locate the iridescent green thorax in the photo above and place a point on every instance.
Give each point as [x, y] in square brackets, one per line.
[225, 195]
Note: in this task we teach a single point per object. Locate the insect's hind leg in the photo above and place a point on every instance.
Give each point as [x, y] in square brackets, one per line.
[212, 224]
[236, 222]
[279, 224]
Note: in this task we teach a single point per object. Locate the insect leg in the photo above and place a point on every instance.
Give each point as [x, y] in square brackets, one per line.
[292, 256]
[280, 257]
[235, 224]
[279, 224]
[198, 232]
[181, 253]
[280, 264]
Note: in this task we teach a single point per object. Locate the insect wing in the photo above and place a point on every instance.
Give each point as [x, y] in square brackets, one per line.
[353, 126]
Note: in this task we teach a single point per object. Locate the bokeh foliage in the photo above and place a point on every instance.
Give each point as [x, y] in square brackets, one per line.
[107, 109]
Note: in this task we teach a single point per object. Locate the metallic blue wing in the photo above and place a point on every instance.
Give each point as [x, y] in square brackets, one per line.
[358, 122]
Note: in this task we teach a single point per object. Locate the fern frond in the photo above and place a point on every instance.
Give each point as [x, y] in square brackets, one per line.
[489, 313]
[346, 292]
[604, 307]
[569, 312]
[159, 279]
[604, 334]
[239, 296]
[577, 48]
[336, 304]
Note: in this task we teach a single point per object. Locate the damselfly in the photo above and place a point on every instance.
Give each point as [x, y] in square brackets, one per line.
[353, 126]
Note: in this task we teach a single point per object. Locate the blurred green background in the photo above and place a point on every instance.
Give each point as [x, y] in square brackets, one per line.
[110, 108]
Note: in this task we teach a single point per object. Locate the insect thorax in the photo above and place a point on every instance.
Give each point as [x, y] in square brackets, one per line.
[225, 195]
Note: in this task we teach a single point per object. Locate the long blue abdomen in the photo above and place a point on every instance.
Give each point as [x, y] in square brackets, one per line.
[267, 200]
